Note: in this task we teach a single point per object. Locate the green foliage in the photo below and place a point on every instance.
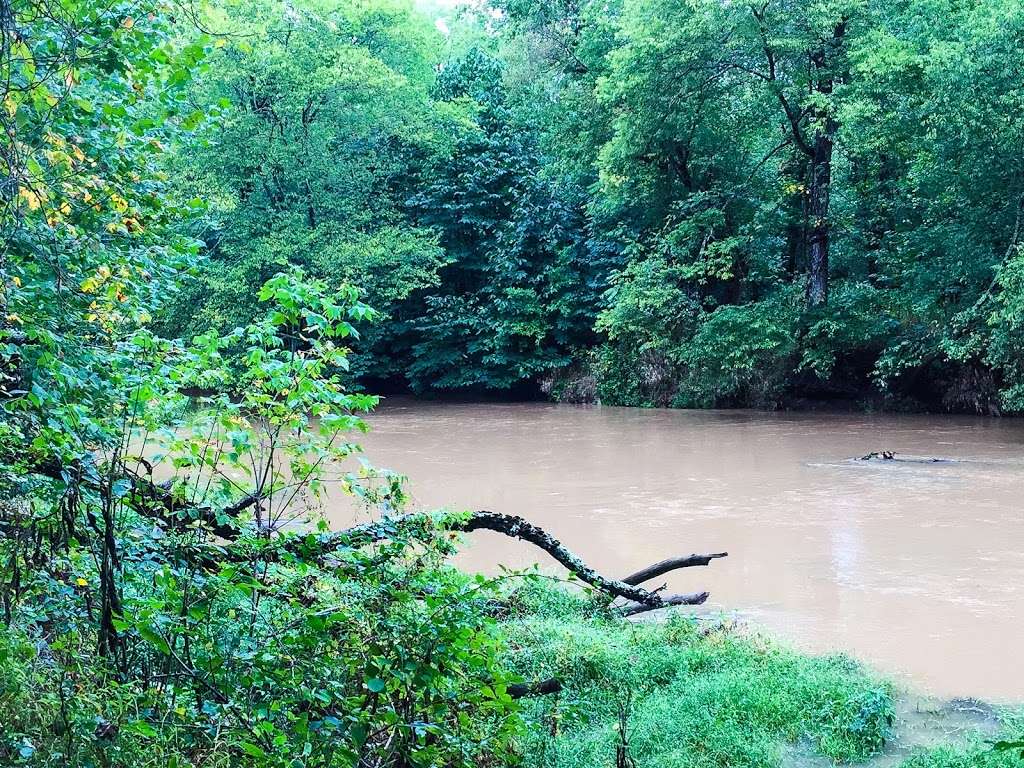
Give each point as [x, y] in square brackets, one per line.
[95, 94]
[541, 190]
[977, 753]
[297, 666]
[514, 297]
[642, 194]
[325, 114]
[742, 353]
[698, 694]
[258, 650]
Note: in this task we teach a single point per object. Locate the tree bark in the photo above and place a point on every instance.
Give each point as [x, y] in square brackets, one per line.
[673, 563]
[821, 172]
[819, 235]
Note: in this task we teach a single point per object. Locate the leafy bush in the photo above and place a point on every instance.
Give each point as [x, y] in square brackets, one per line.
[185, 623]
[742, 354]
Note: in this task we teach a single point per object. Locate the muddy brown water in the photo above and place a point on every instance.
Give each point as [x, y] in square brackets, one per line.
[916, 568]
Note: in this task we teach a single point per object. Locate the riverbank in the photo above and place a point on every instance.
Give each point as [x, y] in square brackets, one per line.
[679, 692]
[688, 693]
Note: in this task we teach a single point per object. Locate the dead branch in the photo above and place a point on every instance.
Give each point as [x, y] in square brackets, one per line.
[672, 564]
[538, 688]
[632, 609]
[162, 504]
[517, 527]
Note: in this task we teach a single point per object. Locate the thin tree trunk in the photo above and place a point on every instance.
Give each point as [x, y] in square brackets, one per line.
[819, 235]
[821, 176]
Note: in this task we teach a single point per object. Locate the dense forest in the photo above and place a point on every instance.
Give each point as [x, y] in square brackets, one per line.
[224, 224]
[643, 203]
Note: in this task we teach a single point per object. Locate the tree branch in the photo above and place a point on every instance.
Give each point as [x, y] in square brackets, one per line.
[517, 527]
[160, 503]
[671, 564]
[538, 688]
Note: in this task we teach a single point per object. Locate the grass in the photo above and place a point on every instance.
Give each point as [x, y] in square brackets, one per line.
[691, 695]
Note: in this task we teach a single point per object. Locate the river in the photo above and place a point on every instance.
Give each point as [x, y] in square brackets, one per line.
[915, 568]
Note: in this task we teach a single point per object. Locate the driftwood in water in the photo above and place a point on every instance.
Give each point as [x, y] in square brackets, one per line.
[887, 456]
[879, 455]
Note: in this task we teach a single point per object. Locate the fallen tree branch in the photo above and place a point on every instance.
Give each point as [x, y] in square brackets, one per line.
[631, 609]
[517, 527]
[640, 599]
[672, 564]
[538, 688]
[159, 502]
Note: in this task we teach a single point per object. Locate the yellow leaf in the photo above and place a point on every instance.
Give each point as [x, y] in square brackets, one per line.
[30, 197]
[81, 582]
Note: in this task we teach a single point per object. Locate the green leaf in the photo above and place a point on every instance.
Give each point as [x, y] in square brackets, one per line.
[151, 636]
[251, 749]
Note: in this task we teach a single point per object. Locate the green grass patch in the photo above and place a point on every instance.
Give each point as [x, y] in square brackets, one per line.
[691, 694]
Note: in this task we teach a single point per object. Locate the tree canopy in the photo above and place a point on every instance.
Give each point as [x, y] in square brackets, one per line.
[669, 203]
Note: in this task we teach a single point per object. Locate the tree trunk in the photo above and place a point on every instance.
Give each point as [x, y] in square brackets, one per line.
[818, 239]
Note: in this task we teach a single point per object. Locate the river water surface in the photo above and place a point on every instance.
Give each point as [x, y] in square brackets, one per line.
[915, 568]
